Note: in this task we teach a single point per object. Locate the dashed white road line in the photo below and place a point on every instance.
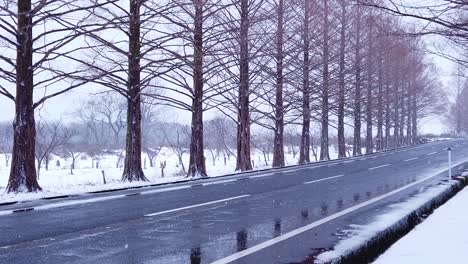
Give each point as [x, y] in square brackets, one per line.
[411, 159]
[378, 167]
[219, 182]
[166, 189]
[291, 170]
[261, 176]
[432, 153]
[198, 205]
[324, 179]
[85, 201]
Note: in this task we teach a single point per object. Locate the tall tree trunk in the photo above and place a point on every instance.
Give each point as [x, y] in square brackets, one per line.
[23, 171]
[357, 94]
[243, 162]
[408, 114]
[324, 153]
[278, 146]
[402, 118]
[414, 118]
[380, 103]
[341, 91]
[408, 120]
[197, 157]
[387, 116]
[369, 110]
[396, 119]
[132, 167]
[304, 152]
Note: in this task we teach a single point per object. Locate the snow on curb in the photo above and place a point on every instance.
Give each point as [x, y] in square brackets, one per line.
[365, 243]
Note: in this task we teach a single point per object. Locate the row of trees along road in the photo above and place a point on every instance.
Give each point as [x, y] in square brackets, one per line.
[271, 63]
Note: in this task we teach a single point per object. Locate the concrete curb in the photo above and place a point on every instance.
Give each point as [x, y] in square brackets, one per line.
[373, 248]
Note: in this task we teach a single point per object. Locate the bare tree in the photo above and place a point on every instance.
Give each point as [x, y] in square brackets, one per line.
[51, 136]
[72, 148]
[178, 137]
[242, 64]
[129, 64]
[324, 145]
[304, 152]
[5, 142]
[357, 86]
[191, 85]
[370, 84]
[220, 137]
[342, 82]
[50, 49]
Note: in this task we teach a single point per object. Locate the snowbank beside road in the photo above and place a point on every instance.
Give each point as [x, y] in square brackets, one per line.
[360, 236]
[441, 238]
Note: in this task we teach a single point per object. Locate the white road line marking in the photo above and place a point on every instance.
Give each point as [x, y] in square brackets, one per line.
[198, 205]
[349, 161]
[292, 170]
[92, 200]
[412, 159]
[432, 153]
[166, 189]
[261, 176]
[322, 221]
[324, 179]
[77, 202]
[378, 167]
[219, 182]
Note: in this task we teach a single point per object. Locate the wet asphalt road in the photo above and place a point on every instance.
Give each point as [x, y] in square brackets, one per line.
[268, 217]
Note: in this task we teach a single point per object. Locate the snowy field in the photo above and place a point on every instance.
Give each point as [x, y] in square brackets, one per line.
[57, 180]
[441, 238]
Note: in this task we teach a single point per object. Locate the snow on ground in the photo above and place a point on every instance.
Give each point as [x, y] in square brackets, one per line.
[359, 235]
[441, 238]
[57, 180]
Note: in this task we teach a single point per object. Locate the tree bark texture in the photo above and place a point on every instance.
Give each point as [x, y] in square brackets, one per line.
[341, 89]
[369, 110]
[197, 157]
[243, 162]
[304, 152]
[357, 93]
[132, 168]
[23, 171]
[324, 151]
[278, 145]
